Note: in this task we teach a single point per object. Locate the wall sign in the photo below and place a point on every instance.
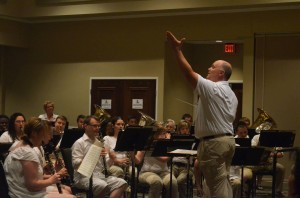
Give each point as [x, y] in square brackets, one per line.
[137, 103]
[106, 103]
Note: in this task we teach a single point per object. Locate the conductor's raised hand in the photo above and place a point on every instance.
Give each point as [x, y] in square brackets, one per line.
[173, 41]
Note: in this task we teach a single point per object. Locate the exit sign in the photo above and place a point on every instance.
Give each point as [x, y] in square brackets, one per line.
[229, 48]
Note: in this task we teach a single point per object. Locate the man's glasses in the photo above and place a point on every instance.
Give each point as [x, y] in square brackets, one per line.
[94, 125]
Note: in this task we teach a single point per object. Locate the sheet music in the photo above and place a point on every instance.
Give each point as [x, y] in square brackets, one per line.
[184, 151]
[89, 161]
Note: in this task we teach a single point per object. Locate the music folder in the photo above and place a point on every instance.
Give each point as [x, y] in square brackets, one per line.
[134, 139]
[70, 136]
[244, 142]
[277, 138]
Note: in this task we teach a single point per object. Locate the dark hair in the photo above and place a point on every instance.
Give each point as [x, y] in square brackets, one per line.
[4, 116]
[87, 119]
[186, 115]
[34, 125]
[11, 125]
[61, 117]
[80, 116]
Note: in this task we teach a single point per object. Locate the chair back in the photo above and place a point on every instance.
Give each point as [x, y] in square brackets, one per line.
[3, 183]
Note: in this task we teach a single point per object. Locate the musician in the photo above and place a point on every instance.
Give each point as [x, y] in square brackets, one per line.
[101, 185]
[3, 123]
[216, 111]
[58, 130]
[132, 121]
[170, 126]
[23, 168]
[155, 171]
[117, 161]
[280, 169]
[15, 128]
[49, 109]
[62, 171]
[294, 178]
[180, 164]
[188, 118]
[80, 120]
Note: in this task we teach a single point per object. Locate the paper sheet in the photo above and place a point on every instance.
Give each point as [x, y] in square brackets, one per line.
[184, 151]
[90, 160]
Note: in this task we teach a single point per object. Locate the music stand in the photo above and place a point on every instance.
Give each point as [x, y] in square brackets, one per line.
[165, 146]
[244, 142]
[276, 138]
[247, 156]
[134, 139]
[252, 133]
[70, 136]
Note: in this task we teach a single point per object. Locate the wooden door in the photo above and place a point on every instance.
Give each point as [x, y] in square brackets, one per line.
[124, 97]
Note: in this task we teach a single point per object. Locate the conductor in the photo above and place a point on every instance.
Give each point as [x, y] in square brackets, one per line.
[216, 111]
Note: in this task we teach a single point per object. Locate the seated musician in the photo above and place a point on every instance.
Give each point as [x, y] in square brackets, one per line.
[241, 131]
[155, 171]
[118, 161]
[49, 167]
[280, 170]
[180, 164]
[15, 129]
[101, 184]
[23, 167]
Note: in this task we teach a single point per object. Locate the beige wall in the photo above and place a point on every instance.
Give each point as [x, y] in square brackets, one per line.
[69, 53]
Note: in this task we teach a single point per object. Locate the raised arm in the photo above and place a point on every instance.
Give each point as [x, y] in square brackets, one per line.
[184, 65]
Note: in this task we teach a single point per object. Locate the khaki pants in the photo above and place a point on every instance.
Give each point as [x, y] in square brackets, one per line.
[215, 157]
[156, 183]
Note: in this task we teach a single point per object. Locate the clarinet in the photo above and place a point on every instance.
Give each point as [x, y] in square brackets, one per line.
[52, 168]
[62, 165]
[103, 158]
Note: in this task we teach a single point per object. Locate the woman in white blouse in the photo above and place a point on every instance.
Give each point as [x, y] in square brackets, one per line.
[23, 167]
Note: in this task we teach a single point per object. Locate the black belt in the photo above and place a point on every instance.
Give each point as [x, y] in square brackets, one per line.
[215, 136]
[180, 164]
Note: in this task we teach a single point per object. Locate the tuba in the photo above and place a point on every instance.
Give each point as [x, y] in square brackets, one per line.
[101, 113]
[146, 120]
[263, 122]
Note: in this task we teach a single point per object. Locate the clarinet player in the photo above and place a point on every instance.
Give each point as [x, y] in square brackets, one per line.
[23, 167]
[114, 186]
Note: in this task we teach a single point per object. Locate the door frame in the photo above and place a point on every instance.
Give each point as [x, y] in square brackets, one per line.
[126, 78]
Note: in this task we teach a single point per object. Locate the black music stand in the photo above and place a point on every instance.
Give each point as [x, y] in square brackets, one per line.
[165, 146]
[247, 156]
[70, 136]
[276, 138]
[244, 142]
[134, 139]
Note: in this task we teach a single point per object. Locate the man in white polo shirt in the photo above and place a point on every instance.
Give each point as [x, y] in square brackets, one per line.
[216, 111]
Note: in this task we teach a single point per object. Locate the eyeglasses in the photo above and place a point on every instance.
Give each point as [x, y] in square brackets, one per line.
[20, 121]
[94, 125]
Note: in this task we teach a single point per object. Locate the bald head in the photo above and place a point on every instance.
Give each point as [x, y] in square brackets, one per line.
[220, 70]
[227, 69]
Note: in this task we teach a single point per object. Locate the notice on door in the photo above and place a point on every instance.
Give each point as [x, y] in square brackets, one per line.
[106, 103]
[137, 103]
